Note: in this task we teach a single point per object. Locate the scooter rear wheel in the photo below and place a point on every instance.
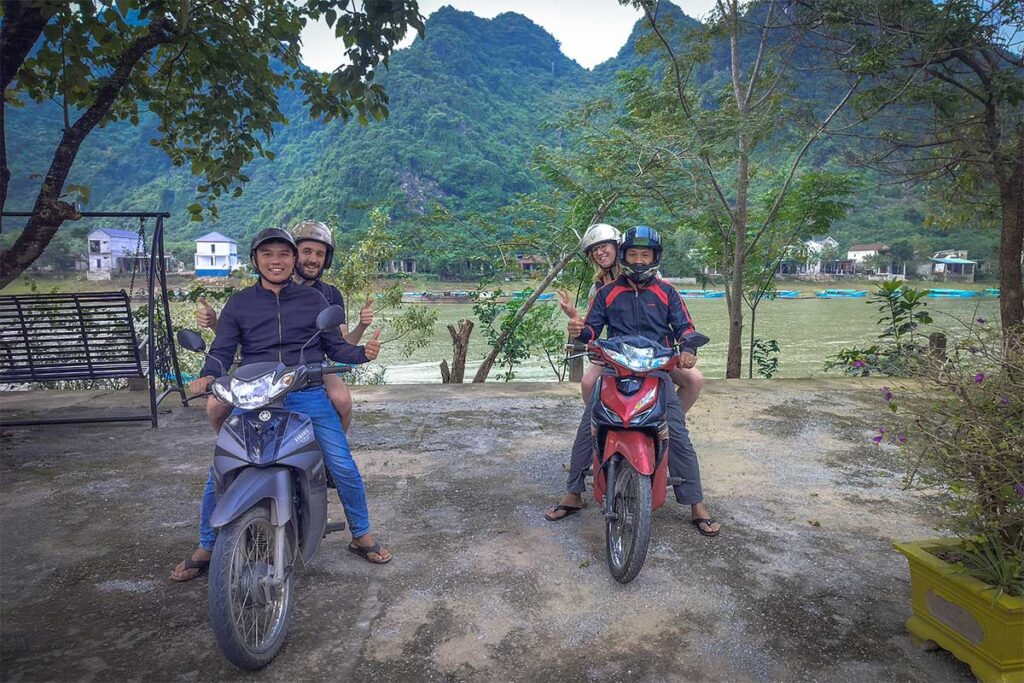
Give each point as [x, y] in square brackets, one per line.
[248, 614]
[629, 532]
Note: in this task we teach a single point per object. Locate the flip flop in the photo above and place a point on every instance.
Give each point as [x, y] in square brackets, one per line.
[569, 511]
[200, 565]
[705, 520]
[364, 552]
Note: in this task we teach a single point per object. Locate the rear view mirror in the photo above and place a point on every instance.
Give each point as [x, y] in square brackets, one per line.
[695, 339]
[330, 318]
[187, 339]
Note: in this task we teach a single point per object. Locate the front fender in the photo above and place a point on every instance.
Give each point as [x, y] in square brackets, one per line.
[635, 445]
[252, 486]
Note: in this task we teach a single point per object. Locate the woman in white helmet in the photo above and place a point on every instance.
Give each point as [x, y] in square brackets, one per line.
[600, 246]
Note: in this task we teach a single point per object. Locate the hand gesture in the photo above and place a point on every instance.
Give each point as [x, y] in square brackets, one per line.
[372, 347]
[565, 302]
[366, 313]
[200, 385]
[687, 360]
[205, 315]
[575, 327]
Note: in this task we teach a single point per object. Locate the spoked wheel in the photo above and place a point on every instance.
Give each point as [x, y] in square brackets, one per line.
[629, 531]
[249, 614]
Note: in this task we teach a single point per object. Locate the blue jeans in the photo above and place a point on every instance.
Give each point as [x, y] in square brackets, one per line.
[337, 456]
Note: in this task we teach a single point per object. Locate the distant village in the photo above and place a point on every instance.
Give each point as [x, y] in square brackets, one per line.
[111, 253]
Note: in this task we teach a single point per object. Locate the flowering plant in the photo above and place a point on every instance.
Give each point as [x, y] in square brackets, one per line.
[961, 431]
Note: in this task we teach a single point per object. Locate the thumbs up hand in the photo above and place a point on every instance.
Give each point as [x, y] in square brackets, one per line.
[372, 348]
[565, 302]
[205, 315]
[366, 313]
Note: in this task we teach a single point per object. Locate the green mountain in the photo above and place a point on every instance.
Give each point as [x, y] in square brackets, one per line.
[468, 104]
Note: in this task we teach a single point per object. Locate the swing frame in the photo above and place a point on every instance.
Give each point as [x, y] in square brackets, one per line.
[157, 276]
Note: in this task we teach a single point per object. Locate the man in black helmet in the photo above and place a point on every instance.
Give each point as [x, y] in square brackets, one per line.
[639, 303]
[271, 321]
[315, 245]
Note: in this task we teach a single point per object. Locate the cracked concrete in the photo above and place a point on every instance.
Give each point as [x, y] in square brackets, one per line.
[93, 518]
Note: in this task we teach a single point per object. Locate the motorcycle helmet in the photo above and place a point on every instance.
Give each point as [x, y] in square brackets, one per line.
[640, 236]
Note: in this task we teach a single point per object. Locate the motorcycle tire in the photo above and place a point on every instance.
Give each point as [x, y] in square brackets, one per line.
[249, 617]
[628, 535]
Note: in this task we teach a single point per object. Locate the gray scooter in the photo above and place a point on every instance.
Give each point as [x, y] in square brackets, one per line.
[271, 510]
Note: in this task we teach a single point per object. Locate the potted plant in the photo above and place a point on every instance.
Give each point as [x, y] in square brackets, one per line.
[960, 425]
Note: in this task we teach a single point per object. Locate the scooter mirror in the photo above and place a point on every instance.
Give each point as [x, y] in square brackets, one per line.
[330, 318]
[695, 339]
[187, 339]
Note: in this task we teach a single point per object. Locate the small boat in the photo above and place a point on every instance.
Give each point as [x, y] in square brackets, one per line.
[842, 293]
[991, 291]
[951, 293]
[788, 293]
[523, 295]
[700, 294]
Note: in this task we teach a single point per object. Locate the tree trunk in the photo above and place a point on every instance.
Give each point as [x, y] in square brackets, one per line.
[485, 368]
[49, 212]
[460, 347]
[1011, 247]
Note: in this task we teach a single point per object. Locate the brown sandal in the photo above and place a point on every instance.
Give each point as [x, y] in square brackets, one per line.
[365, 551]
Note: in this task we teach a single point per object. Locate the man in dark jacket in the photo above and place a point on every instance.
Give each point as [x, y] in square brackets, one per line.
[271, 321]
[639, 303]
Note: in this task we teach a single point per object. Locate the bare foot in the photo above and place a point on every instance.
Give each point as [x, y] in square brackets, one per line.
[192, 567]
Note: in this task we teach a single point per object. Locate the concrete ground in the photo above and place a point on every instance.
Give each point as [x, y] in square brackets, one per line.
[801, 585]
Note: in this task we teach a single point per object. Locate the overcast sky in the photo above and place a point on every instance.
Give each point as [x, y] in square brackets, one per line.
[590, 31]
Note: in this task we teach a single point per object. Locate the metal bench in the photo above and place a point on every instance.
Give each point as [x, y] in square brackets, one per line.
[87, 336]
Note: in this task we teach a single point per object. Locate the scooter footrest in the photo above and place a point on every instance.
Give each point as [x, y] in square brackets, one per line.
[676, 481]
[589, 472]
[333, 527]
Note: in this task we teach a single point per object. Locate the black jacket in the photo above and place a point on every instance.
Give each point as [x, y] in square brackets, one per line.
[271, 327]
[655, 312]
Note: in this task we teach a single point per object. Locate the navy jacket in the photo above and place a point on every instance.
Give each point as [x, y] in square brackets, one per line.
[333, 297]
[271, 327]
[655, 312]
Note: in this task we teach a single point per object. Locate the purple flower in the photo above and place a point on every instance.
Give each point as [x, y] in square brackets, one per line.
[887, 394]
[902, 438]
[982, 321]
[858, 363]
[1005, 400]
[1019, 488]
[877, 439]
[974, 349]
[980, 377]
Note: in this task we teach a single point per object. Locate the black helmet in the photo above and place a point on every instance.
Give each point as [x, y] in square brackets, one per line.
[271, 235]
[640, 236]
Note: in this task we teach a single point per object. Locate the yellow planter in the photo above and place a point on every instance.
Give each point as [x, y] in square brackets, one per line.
[958, 613]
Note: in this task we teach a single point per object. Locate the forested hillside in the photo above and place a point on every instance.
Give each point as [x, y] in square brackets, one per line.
[469, 104]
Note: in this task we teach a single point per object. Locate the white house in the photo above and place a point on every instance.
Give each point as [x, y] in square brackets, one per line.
[814, 248]
[805, 258]
[110, 251]
[858, 252]
[216, 255]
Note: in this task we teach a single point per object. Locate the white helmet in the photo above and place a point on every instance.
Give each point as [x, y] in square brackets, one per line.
[598, 233]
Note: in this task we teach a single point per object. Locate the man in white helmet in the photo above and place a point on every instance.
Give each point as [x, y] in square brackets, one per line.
[316, 253]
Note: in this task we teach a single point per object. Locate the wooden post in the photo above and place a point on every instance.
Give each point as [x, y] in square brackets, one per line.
[460, 347]
[937, 346]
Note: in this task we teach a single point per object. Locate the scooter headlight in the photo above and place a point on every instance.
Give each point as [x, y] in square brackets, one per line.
[256, 392]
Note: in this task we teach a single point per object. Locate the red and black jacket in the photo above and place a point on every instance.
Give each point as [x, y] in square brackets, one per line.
[655, 311]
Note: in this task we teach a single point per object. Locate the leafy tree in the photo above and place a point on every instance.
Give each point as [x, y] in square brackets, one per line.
[210, 72]
[946, 96]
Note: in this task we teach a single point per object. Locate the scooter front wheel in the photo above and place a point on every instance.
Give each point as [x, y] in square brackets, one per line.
[248, 611]
[628, 530]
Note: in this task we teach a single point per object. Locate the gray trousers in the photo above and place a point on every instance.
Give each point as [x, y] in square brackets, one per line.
[682, 459]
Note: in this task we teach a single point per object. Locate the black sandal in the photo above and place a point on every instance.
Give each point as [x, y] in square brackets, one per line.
[569, 511]
[705, 520]
[201, 565]
[364, 552]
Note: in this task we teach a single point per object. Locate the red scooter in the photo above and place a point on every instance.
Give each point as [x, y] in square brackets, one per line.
[630, 429]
